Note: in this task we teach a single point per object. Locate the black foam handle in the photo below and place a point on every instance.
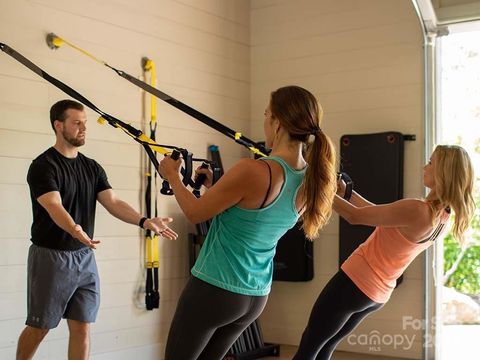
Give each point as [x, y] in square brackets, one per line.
[175, 155]
[166, 189]
[200, 180]
[349, 185]
[187, 170]
[217, 174]
[202, 177]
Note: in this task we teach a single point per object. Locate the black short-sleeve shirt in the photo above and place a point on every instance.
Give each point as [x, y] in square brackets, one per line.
[78, 181]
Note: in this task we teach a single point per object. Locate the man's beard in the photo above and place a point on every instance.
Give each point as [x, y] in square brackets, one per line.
[72, 140]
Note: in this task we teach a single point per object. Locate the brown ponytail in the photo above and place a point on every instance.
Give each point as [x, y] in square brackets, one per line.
[320, 184]
[300, 114]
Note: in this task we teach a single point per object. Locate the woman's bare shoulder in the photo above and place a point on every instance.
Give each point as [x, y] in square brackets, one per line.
[421, 209]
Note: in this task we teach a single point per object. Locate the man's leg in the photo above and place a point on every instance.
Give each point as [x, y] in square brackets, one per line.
[79, 341]
[83, 305]
[28, 342]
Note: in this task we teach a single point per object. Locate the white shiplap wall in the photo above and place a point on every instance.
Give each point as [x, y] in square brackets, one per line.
[363, 61]
[201, 49]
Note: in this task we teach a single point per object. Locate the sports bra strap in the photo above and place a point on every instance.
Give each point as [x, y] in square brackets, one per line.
[433, 236]
[269, 184]
[438, 229]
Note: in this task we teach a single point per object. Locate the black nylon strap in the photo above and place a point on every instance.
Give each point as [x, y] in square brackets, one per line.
[149, 290]
[190, 111]
[69, 91]
[113, 121]
[62, 86]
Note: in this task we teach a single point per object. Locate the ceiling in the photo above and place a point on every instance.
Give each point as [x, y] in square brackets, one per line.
[453, 11]
[442, 17]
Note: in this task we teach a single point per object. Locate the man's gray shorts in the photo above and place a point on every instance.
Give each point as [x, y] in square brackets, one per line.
[61, 284]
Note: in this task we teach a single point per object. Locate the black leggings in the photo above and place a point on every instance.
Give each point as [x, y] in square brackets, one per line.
[340, 307]
[208, 320]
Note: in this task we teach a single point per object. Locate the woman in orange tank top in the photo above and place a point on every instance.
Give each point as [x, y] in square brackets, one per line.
[403, 230]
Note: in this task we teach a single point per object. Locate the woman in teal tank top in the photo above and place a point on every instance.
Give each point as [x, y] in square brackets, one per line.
[252, 206]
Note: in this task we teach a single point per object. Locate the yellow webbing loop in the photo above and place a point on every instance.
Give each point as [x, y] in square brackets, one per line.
[155, 258]
[256, 151]
[150, 66]
[253, 149]
[143, 138]
[58, 41]
[149, 253]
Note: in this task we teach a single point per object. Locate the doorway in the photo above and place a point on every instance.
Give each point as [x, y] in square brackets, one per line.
[458, 122]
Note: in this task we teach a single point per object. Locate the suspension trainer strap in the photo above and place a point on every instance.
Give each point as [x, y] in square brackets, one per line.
[148, 144]
[54, 42]
[152, 295]
[127, 128]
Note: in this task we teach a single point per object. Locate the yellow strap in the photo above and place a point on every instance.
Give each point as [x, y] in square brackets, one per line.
[148, 252]
[155, 252]
[57, 41]
[256, 151]
[150, 66]
[253, 149]
[155, 147]
[144, 138]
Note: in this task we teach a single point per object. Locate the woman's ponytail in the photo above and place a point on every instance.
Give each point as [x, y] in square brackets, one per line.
[300, 114]
[320, 184]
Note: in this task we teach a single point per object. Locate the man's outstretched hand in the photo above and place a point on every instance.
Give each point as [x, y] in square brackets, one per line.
[159, 226]
[83, 237]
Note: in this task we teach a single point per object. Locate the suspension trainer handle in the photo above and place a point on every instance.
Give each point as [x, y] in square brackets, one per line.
[166, 189]
[187, 170]
[217, 174]
[175, 154]
[200, 180]
[349, 185]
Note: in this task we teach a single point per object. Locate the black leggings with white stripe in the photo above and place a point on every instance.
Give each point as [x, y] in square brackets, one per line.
[208, 320]
[340, 307]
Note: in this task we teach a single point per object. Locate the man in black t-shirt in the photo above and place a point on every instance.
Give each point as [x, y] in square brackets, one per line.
[62, 274]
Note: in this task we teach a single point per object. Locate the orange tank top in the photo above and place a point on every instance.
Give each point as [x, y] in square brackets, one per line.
[377, 263]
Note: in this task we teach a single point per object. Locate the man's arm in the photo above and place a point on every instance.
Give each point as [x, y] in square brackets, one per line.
[123, 211]
[52, 203]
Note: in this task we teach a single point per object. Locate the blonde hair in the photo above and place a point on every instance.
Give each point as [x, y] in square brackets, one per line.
[299, 113]
[454, 182]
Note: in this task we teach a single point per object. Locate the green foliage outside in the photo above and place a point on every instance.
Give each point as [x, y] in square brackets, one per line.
[466, 277]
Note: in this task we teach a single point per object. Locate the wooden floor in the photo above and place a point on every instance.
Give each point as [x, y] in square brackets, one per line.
[287, 352]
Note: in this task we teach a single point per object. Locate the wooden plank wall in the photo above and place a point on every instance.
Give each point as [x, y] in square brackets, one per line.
[201, 50]
[363, 61]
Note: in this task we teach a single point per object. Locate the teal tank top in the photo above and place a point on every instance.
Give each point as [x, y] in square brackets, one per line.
[237, 254]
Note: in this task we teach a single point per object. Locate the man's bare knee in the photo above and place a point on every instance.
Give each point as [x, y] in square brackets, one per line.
[36, 333]
[78, 328]
[28, 342]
